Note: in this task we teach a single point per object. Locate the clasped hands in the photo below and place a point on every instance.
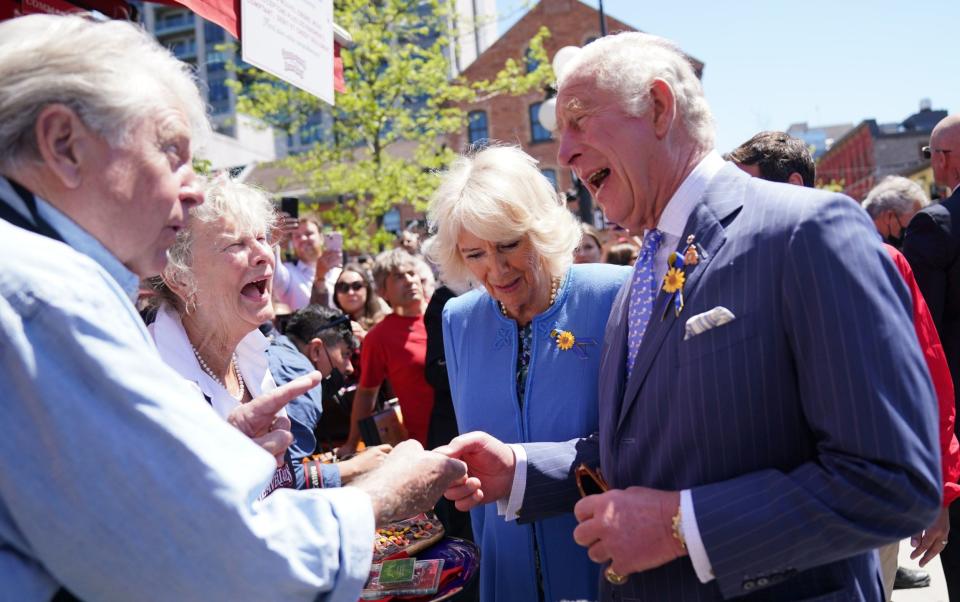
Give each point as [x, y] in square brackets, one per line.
[631, 529]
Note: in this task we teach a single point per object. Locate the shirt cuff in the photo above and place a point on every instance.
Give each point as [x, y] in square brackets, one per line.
[330, 473]
[509, 509]
[357, 529]
[691, 535]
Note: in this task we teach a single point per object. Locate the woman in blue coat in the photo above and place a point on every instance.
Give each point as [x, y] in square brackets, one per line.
[522, 349]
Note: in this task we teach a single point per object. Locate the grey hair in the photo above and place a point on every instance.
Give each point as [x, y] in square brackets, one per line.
[894, 193]
[627, 63]
[388, 262]
[112, 74]
[499, 195]
[247, 207]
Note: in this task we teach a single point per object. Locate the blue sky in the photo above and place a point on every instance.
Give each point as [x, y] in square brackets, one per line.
[772, 63]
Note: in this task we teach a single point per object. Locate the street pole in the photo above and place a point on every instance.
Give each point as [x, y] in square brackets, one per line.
[603, 21]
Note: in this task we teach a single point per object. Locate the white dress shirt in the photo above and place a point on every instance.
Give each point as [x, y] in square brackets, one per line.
[672, 222]
[293, 283]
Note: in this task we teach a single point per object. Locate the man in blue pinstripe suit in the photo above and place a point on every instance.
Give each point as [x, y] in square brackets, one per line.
[766, 419]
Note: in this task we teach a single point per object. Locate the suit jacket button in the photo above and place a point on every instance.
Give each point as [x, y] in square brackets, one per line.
[749, 584]
[762, 581]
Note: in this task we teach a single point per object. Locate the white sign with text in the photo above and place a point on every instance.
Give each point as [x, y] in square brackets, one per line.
[291, 39]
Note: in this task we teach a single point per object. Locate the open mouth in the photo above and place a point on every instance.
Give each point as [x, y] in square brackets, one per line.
[597, 178]
[255, 290]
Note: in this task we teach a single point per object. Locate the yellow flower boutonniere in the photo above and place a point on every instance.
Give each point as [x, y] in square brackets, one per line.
[673, 281]
[567, 341]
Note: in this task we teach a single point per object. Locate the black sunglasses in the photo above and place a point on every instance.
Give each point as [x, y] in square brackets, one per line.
[345, 287]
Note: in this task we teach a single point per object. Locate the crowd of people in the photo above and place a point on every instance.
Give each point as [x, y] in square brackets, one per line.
[744, 387]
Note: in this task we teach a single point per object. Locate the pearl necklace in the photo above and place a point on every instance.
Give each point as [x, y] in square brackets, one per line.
[554, 287]
[236, 370]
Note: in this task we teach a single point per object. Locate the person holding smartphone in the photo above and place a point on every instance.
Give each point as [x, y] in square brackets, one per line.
[293, 282]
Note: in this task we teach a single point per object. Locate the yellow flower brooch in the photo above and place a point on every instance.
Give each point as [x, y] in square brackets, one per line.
[566, 341]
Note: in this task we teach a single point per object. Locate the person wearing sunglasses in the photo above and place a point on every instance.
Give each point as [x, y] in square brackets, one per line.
[354, 294]
[932, 247]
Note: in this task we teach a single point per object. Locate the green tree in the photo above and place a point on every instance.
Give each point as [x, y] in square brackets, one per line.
[386, 137]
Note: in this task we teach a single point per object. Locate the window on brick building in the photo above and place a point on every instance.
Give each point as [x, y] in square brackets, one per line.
[550, 174]
[477, 127]
[538, 133]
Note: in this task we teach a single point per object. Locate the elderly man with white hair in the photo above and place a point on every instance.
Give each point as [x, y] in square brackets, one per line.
[755, 438]
[892, 204]
[117, 481]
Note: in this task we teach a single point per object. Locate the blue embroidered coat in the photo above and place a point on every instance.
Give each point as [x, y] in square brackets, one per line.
[481, 348]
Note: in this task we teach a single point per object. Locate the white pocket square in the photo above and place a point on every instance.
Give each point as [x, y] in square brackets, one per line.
[700, 323]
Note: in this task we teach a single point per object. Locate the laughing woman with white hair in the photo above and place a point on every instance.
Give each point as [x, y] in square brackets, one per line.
[522, 349]
[214, 293]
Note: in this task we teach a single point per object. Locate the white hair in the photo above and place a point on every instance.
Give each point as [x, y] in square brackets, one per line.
[247, 207]
[499, 195]
[112, 74]
[627, 63]
[894, 193]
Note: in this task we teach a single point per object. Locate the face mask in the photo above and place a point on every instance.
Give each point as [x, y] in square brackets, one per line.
[896, 241]
[331, 385]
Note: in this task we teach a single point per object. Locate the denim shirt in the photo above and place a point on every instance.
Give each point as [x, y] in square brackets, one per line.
[286, 364]
[116, 481]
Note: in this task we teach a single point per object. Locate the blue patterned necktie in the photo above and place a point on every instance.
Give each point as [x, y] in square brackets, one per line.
[643, 290]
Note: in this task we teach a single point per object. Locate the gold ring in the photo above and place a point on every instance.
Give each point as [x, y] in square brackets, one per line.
[614, 578]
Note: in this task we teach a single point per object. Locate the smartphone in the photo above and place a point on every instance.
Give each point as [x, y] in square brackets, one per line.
[291, 206]
[332, 241]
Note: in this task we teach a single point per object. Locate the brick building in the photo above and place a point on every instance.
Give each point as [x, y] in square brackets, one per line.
[513, 119]
[870, 151]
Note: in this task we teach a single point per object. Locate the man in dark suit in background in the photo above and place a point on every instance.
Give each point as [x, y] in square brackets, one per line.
[932, 246]
[766, 419]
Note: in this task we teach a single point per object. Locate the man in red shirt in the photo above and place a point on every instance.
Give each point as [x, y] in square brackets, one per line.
[395, 350]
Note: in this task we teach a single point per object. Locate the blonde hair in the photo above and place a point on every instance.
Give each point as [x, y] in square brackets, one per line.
[499, 195]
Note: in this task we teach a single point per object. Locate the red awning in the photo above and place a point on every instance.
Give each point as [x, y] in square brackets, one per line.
[225, 13]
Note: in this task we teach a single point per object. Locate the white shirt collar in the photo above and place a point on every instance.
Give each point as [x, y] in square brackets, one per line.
[675, 215]
[176, 350]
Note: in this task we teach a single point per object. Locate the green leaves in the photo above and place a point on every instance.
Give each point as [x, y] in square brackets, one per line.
[389, 130]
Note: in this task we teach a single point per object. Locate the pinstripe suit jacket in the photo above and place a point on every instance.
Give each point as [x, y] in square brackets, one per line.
[805, 428]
